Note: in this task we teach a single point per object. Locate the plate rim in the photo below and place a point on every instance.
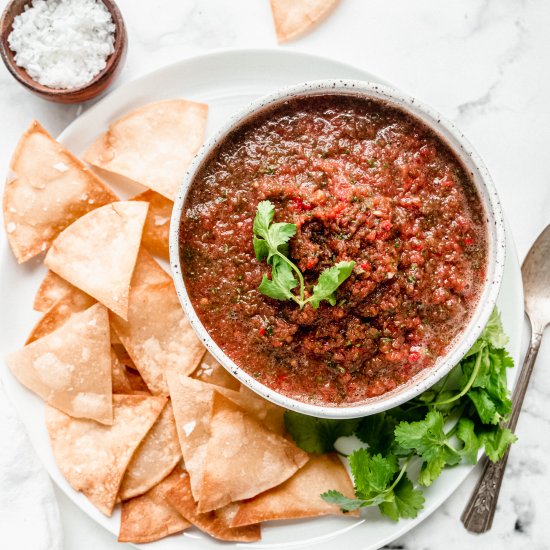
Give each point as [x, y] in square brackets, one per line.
[511, 259]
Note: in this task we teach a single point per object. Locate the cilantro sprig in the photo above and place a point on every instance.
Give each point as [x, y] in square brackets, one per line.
[451, 422]
[271, 244]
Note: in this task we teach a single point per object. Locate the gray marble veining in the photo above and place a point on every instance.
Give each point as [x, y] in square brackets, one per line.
[484, 63]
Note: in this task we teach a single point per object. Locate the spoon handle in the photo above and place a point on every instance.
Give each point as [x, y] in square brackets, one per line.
[480, 510]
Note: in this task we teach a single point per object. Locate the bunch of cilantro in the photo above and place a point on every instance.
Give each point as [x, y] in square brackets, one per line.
[465, 412]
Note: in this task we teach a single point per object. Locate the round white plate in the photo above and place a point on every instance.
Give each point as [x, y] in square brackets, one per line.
[226, 81]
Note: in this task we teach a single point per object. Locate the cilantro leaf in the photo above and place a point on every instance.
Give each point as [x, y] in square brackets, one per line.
[406, 502]
[493, 332]
[279, 234]
[264, 216]
[317, 435]
[329, 280]
[281, 283]
[346, 504]
[377, 432]
[372, 473]
[261, 248]
[465, 431]
[427, 439]
[496, 442]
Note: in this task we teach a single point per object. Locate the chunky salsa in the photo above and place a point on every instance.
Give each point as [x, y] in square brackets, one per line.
[362, 181]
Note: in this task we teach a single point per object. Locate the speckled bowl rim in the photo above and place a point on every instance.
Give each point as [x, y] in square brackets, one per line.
[495, 227]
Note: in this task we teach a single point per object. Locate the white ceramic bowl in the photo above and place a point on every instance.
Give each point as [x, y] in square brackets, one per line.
[495, 229]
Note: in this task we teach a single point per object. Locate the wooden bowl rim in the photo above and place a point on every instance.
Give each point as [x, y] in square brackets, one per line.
[21, 75]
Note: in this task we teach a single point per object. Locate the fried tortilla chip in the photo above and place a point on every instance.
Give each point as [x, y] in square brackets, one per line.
[52, 288]
[294, 17]
[98, 252]
[152, 145]
[47, 189]
[192, 402]
[243, 458]
[148, 271]
[71, 367]
[158, 336]
[156, 231]
[154, 459]
[62, 311]
[212, 372]
[94, 457]
[150, 516]
[214, 523]
[119, 376]
[299, 497]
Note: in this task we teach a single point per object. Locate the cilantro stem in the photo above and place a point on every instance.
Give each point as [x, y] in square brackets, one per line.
[299, 301]
[401, 473]
[466, 388]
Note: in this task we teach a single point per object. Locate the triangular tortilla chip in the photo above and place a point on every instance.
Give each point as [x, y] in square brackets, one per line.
[154, 459]
[152, 145]
[214, 523]
[158, 336]
[150, 516]
[156, 232]
[52, 288]
[47, 189]
[98, 252]
[136, 381]
[119, 376]
[212, 372]
[148, 271]
[93, 457]
[299, 497]
[192, 402]
[72, 303]
[243, 458]
[294, 17]
[71, 367]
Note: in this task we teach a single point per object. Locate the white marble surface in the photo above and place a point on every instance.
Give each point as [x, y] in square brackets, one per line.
[483, 63]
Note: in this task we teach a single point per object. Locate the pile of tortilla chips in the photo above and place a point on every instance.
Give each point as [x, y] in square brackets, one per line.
[137, 411]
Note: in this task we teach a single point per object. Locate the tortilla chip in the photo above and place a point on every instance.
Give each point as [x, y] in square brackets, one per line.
[148, 271]
[119, 376]
[156, 232]
[154, 459]
[152, 145]
[212, 372]
[158, 336]
[299, 497]
[268, 413]
[294, 17]
[98, 252]
[94, 457]
[214, 523]
[74, 301]
[52, 288]
[71, 367]
[150, 516]
[243, 458]
[192, 402]
[47, 189]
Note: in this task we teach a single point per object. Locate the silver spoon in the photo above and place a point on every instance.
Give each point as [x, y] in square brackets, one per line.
[480, 510]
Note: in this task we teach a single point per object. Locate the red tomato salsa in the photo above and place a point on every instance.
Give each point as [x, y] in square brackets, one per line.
[362, 181]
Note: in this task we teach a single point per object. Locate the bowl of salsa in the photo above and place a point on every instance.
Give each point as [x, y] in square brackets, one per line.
[338, 247]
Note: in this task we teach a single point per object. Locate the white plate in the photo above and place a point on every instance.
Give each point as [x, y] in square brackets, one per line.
[226, 81]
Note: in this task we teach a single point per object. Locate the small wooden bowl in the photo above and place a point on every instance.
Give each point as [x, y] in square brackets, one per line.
[74, 95]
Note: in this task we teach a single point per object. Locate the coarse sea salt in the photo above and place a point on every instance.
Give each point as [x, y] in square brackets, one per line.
[63, 44]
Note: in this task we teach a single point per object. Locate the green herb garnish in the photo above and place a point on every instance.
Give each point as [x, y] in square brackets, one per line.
[271, 244]
[445, 425]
